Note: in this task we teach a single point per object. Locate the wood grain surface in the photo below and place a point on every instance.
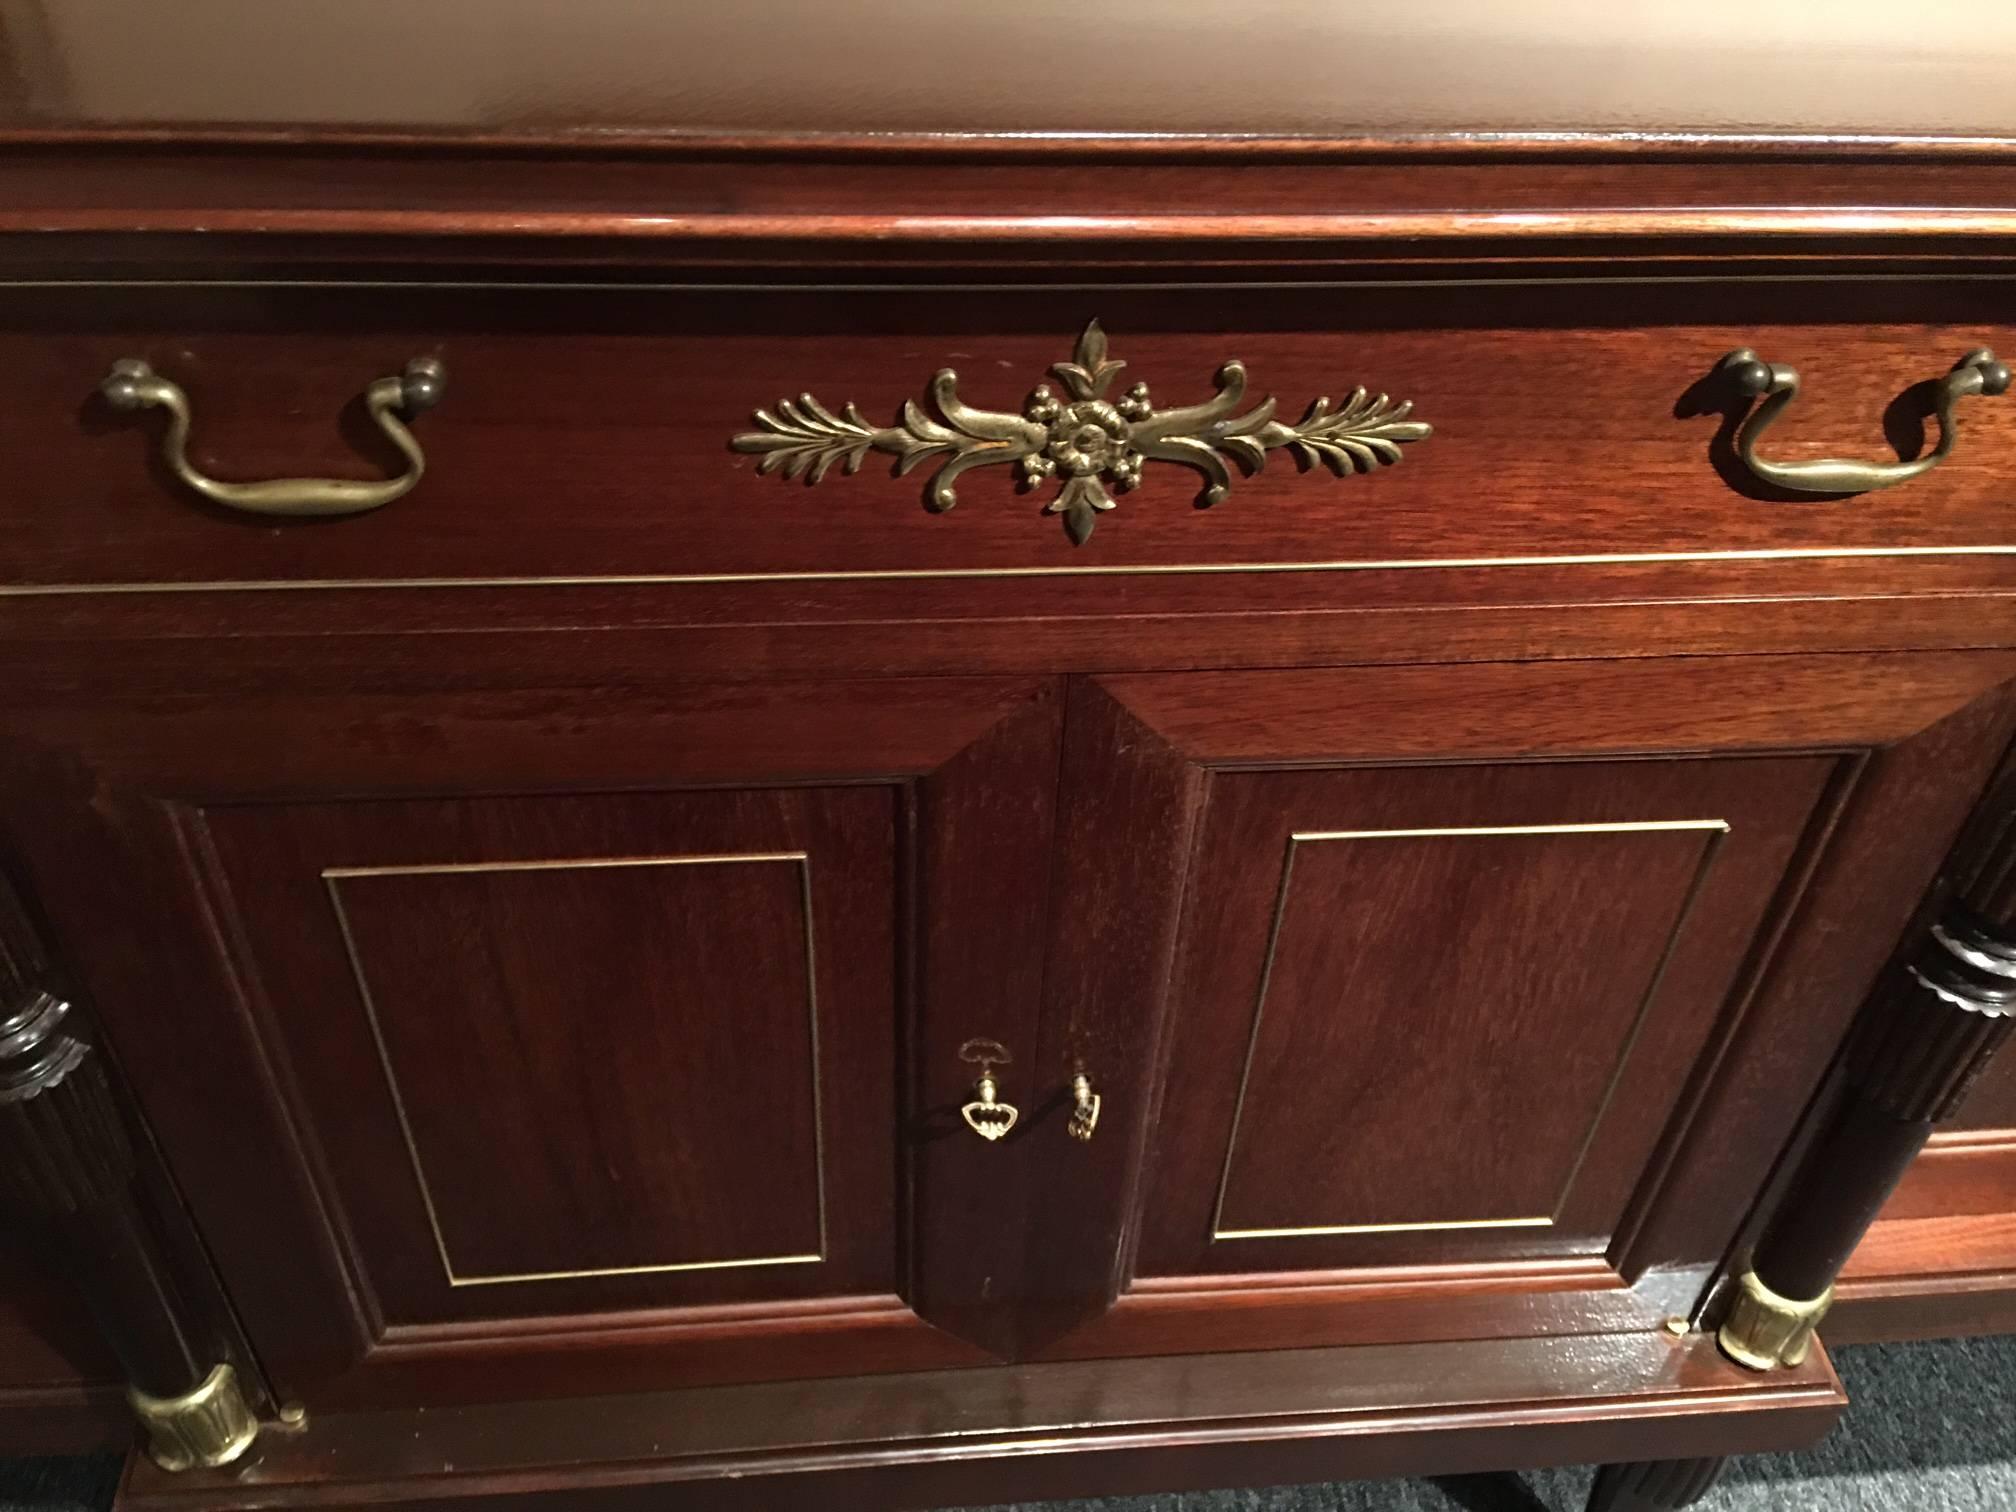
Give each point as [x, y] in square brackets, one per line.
[1098, 1428]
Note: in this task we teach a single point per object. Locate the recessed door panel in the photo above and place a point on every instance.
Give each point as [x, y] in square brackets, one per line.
[660, 1010]
[1433, 1013]
[1390, 943]
[581, 1047]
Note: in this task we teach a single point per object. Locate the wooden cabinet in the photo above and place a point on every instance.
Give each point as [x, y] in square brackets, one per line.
[605, 945]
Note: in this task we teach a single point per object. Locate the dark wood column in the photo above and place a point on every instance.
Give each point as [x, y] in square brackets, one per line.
[1928, 1030]
[1654, 1485]
[70, 1175]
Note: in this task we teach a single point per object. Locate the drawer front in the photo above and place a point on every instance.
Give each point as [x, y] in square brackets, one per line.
[589, 437]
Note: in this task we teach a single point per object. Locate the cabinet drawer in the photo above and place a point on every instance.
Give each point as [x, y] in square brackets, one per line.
[586, 438]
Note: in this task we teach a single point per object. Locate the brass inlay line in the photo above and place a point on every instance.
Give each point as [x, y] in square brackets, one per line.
[1381, 1228]
[1192, 569]
[1716, 829]
[335, 874]
[1628, 827]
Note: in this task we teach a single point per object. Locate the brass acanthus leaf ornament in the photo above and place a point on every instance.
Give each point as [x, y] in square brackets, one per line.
[1082, 438]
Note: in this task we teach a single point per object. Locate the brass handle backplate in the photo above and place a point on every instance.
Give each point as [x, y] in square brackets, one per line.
[133, 385]
[1977, 373]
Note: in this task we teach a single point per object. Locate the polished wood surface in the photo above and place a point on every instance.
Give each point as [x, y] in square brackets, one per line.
[59, 1382]
[1441, 986]
[1098, 1428]
[586, 1033]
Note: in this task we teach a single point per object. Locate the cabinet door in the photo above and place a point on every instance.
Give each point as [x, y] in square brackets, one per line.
[1480, 1000]
[536, 1041]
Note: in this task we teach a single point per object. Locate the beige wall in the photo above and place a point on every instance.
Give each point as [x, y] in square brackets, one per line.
[1269, 66]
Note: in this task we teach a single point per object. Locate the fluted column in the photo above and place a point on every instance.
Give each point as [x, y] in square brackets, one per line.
[69, 1177]
[1927, 1032]
[1654, 1485]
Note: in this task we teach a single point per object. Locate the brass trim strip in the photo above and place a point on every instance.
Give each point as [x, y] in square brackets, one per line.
[1719, 148]
[1192, 569]
[1380, 1228]
[331, 876]
[589, 863]
[1626, 827]
[1450, 227]
[1717, 829]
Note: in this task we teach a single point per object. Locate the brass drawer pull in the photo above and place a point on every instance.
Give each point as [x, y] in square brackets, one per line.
[1976, 373]
[133, 385]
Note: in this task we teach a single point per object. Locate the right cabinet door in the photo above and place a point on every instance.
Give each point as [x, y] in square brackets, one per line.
[1484, 997]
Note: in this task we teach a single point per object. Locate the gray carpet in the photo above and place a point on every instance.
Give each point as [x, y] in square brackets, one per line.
[1933, 1427]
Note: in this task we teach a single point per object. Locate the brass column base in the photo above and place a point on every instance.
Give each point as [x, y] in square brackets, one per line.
[1764, 1330]
[207, 1427]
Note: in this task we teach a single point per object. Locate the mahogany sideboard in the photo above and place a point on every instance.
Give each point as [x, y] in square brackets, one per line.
[741, 771]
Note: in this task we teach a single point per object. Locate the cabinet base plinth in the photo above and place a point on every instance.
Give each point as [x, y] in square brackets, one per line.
[1036, 1432]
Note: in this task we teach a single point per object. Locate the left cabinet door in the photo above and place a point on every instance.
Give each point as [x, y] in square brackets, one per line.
[506, 1043]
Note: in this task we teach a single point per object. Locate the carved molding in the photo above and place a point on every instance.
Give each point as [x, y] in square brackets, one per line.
[1083, 438]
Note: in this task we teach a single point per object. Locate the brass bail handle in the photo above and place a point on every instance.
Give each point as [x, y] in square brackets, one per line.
[1979, 372]
[133, 385]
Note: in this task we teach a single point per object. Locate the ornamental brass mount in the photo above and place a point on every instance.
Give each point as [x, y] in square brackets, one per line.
[1083, 437]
